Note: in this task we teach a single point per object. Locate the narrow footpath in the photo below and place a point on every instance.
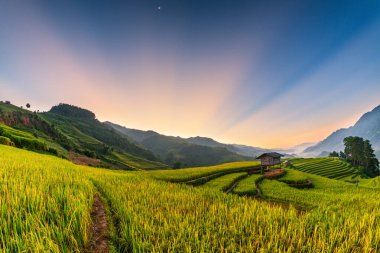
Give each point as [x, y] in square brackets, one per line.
[99, 228]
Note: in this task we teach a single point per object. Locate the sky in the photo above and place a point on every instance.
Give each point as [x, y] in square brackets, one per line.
[261, 73]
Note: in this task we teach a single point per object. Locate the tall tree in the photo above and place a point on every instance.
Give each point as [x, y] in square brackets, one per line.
[353, 148]
[360, 153]
[371, 164]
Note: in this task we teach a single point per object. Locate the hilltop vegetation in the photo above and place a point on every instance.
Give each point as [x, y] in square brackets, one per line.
[149, 215]
[92, 138]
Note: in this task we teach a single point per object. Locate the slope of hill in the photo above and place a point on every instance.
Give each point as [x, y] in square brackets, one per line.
[236, 148]
[181, 152]
[76, 134]
[367, 127]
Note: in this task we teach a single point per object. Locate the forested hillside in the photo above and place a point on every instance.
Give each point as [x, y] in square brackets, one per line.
[76, 134]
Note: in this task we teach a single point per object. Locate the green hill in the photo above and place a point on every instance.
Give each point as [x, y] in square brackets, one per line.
[181, 152]
[75, 133]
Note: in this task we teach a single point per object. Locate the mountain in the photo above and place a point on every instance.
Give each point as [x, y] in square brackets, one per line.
[205, 141]
[367, 127]
[76, 134]
[134, 134]
[195, 151]
[236, 148]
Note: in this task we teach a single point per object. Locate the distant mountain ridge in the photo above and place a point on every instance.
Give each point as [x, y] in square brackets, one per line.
[367, 127]
[236, 148]
[195, 151]
[176, 149]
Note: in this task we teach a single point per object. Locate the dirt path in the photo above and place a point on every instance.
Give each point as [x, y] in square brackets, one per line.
[99, 229]
[232, 187]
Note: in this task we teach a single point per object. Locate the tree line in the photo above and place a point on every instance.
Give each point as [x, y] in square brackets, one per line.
[359, 153]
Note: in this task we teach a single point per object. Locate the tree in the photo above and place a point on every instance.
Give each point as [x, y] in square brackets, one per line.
[354, 149]
[342, 155]
[360, 153]
[371, 164]
[28, 105]
[334, 154]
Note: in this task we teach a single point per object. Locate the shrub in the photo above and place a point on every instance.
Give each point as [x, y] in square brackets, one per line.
[6, 141]
[53, 151]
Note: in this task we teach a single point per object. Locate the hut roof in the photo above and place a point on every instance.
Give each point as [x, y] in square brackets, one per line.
[271, 154]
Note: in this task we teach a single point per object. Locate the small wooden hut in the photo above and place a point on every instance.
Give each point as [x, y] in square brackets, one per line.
[270, 159]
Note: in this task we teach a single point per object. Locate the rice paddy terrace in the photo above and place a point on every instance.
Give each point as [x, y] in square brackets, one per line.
[325, 166]
[47, 204]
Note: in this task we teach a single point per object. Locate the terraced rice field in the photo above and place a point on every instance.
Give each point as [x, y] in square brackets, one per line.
[188, 174]
[46, 205]
[223, 183]
[327, 167]
[247, 186]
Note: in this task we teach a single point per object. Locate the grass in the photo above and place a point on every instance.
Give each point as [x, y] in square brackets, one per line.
[10, 108]
[224, 182]
[247, 186]
[183, 175]
[296, 179]
[45, 206]
[44, 203]
[22, 139]
[326, 192]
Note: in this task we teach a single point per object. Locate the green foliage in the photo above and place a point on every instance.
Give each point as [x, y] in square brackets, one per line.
[72, 111]
[94, 139]
[175, 150]
[72, 129]
[22, 139]
[179, 151]
[360, 153]
[53, 151]
[334, 154]
[6, 141]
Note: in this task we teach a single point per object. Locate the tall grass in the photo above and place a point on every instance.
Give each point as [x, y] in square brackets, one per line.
[44, 203]
[165, 217]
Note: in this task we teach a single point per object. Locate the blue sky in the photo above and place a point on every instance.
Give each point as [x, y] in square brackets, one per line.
[263, 73]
